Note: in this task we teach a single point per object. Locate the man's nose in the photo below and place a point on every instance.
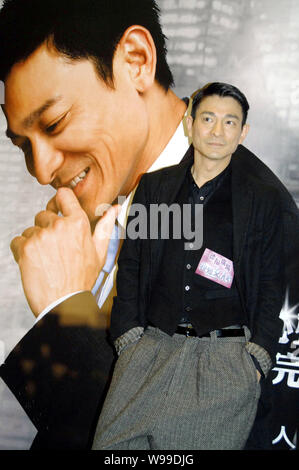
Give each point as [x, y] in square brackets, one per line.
[46, 161]
[217, 129]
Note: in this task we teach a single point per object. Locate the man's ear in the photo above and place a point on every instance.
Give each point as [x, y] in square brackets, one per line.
[189, 123]
[244, 133]
[138, 51]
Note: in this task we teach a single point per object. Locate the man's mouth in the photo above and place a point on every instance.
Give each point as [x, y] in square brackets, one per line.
[78, 178]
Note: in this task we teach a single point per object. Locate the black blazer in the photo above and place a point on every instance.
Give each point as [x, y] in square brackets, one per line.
[64, 402]
[257, 253]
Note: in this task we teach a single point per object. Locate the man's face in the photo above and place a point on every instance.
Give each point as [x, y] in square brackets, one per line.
[73, 129]
[217, 129]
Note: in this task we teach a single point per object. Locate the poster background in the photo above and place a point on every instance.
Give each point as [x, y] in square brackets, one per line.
[253, 44]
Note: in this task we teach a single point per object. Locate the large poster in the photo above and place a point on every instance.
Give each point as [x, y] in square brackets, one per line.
[253, 45]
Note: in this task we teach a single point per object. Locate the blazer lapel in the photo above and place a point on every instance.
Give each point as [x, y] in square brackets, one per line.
[242, 198]
[174, 178]
[166, 191]
[242, 195]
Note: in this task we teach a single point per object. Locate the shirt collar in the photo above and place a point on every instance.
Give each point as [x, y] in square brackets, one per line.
[212, 184]
[171, 155]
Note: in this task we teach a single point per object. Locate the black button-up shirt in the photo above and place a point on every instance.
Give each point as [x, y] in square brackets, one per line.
[178, 294]
[200, 196]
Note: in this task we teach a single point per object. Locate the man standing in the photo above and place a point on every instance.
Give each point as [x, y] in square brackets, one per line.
[210, 315]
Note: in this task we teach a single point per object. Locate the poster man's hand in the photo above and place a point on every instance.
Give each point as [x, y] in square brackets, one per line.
[59, 255]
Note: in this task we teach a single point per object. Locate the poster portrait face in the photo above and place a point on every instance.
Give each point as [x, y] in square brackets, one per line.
[78, 105]
[74, 130]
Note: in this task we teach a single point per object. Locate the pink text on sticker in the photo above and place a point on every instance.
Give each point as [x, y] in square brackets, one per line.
[216, 267]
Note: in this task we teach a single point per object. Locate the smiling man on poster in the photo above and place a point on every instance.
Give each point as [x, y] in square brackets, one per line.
[89, 101]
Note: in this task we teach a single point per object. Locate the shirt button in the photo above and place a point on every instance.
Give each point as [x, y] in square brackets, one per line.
[188, 266]
[187, 288]
[188, 309]
[201, 198]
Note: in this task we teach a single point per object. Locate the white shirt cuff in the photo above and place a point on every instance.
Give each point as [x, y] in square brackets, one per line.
[53, 304]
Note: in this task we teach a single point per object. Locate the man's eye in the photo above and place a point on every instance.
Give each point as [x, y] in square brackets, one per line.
[52, 128]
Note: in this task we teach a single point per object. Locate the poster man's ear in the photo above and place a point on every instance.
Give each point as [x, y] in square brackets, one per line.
[138, 51]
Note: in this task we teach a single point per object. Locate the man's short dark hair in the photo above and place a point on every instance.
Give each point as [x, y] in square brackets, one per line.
[223, 90]
[78, 29]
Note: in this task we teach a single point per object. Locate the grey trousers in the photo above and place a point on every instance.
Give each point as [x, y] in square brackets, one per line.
[180, 393]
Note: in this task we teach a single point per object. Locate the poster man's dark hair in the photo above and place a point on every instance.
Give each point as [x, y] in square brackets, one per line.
[79, 29]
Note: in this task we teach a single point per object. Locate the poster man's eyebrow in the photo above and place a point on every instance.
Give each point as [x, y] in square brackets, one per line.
[32, 117]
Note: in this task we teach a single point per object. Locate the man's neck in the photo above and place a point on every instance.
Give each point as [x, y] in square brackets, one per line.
[205, 169]
[165, 111]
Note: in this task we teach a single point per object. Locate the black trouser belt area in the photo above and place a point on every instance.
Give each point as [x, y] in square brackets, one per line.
[224, 333]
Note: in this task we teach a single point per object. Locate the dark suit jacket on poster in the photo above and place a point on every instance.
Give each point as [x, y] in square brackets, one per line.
[60, 374]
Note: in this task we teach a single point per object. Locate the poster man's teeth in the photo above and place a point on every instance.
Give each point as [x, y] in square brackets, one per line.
[78, 178]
